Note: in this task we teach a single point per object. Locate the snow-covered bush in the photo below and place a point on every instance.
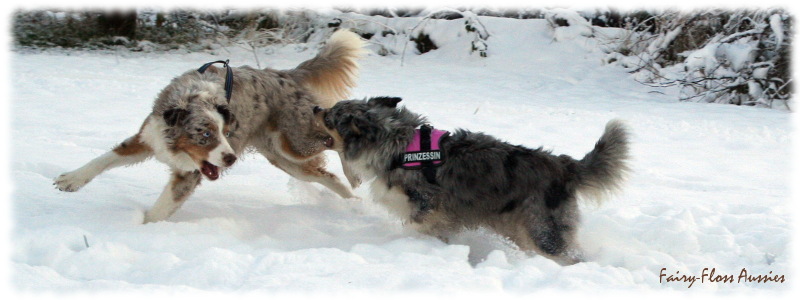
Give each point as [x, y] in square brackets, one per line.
[389, 31]
[736, 57]
[96, 29]
[447, 33]
[62, 29]
[452, 27]
[568, 24]
[716, 55]
[156, 29]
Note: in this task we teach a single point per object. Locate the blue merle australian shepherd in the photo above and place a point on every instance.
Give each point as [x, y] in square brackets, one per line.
[470, 179]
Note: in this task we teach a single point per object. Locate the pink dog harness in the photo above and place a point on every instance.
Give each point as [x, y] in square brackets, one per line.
[424, 152]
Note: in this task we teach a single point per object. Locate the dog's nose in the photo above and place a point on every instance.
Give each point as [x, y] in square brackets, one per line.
[229, 159]
[317, 109]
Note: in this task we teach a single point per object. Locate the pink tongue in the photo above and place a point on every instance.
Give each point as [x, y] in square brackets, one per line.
[211, 171]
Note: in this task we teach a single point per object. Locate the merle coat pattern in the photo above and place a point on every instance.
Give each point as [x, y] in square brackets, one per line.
[528, 195]
[195, 130]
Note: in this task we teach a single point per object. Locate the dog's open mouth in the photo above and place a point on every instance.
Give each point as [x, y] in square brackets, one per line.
[211, 171]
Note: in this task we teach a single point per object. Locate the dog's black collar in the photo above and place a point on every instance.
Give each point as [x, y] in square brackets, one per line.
[228, 76]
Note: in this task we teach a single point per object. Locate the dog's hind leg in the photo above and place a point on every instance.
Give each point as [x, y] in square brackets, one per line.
[555, 242]
[550, 233]
[129, 152]
[180, 186]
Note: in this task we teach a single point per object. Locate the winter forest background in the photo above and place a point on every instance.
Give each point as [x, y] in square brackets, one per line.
[730, 56]
[706, 92]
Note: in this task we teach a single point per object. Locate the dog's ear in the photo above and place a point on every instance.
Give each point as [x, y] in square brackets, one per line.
[227, 116]
[385, 101]
[174, 116]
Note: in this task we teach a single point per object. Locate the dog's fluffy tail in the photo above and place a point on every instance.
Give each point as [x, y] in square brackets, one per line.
[603, 170]
[333, 72]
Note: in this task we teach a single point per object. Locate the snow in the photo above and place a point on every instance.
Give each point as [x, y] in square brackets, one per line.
[710, 186]
[739, 55]
[761, 73]
[776, 24]
[703, 59]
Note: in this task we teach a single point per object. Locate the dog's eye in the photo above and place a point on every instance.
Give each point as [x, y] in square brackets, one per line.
[228, 134]
[207, 134]
[328, 122]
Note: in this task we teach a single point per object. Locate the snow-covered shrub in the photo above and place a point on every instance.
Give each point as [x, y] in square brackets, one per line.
[161, 30]
[449, 32]
[568, 24]
[719, 56]
[480, 35]
[452, 28]
[96, 29]
[60, 29]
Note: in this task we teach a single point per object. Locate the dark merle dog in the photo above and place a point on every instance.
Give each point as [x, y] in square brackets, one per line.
[527, 195]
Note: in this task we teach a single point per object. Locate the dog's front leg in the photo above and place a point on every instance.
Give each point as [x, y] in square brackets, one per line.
[421, 203]
[314, 170]
[132, 150]
[311, 170]
[352, 177]
[426, 217]
[434, 223]
[180, 186]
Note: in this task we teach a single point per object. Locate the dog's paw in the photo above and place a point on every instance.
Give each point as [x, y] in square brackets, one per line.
[355, 181]
[71, 182]
[148, 218]
[152, 216]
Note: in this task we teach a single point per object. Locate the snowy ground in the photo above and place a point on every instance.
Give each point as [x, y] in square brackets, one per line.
[710, 187]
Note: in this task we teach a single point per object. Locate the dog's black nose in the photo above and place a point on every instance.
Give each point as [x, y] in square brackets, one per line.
[317, 109]
[229, 159]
